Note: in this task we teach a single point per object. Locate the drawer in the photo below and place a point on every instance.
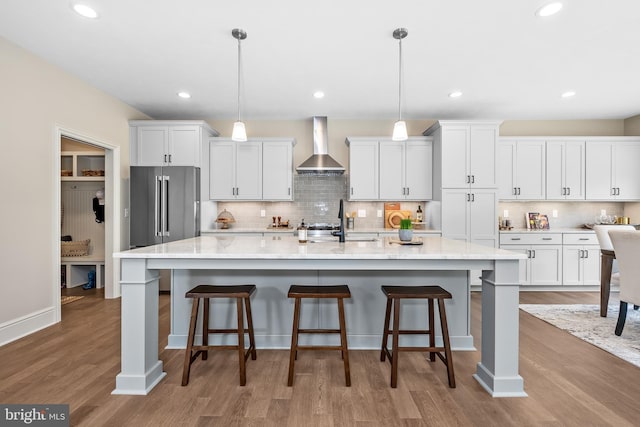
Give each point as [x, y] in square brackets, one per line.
[530, 239]
[580, 239]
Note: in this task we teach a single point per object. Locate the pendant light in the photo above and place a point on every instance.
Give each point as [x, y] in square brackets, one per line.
[239, 132]
[400, 127]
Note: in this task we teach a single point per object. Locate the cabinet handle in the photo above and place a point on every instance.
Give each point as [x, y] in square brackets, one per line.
[468, 179]
[583, 238]
[515, 191]
[165, 158]
[289, 191]
[169, 158]
[547, 238]
[473, 179]
[613, 191]
[515, 238]
[473, 197]
[564, 191]
[580, 253]
[237, 191]
[468, 197]
[568, 191]
[518, 195]
[528, 253]
[404, 191]
[533, 251]
[617, 191]
[408, 191]
[586, 254]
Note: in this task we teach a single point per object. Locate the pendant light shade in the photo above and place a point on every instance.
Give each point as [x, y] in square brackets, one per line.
[239, 132]
[400, 127]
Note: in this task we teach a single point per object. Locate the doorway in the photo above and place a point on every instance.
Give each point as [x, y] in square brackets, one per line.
[109, 271]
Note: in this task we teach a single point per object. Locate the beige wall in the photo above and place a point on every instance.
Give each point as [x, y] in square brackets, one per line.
[37, 97]
[632, 126]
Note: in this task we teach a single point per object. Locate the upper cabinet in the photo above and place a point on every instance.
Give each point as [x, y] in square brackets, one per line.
[406, 170]
[521, 174]
[252, 170]
[381, 169]
[168, 142]
[468, 153]
[82, 165]
[612, 170]
[565, 170]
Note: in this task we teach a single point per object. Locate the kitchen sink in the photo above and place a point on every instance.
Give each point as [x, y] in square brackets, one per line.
[347, 239]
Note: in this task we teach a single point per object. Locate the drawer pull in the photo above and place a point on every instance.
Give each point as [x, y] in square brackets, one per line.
[583, 238]
[515, 238]
[547, 238]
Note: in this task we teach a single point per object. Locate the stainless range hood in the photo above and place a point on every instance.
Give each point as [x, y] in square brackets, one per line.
[321, 163]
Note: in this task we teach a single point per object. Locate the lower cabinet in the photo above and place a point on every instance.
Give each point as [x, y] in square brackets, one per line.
[580, 260]
[556, 259]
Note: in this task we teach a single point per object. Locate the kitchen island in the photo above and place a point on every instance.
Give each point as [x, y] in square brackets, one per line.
[273, 263]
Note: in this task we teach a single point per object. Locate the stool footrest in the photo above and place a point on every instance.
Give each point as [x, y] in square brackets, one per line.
[319, 347]
[225, 331]
[318, 331]
[410, 332]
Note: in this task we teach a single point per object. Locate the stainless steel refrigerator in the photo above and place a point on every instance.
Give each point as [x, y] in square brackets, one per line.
[165, 204]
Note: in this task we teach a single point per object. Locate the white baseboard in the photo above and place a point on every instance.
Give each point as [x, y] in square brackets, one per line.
[23, 326]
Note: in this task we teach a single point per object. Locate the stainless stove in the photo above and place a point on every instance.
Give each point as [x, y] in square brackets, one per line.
[321, 229]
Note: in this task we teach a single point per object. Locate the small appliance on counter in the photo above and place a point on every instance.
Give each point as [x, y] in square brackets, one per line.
[225, 219]
[393, 214]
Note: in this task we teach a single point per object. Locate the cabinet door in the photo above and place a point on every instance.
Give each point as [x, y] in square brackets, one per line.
[455, 157]
[546, 265]
[626, 170]
[483, 216]
[455, 214]
[392, 170]
[555, 182]
[363, 170]
[572, 270]
[222, 160]
[184, 146]
[525, 264]
[530, 170]
[482, 156]
[249, 170]
[506, 174]
[418, 162]
[277, 175]
[151, 145]
[599, 162]
[574, 170]
[591, 266]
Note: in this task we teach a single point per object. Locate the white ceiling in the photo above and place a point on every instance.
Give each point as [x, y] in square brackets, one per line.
[509, 63]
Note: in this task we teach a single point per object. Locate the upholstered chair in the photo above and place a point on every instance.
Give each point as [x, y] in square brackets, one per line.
[607, 277]
[626, 245]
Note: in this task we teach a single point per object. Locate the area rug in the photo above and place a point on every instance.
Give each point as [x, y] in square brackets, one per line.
[67, 299]
[584, 322]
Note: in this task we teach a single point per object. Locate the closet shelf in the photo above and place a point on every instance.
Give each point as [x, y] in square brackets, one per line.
[82, 166]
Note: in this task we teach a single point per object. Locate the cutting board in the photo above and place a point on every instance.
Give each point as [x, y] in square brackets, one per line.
[414, 241]
[392, 218]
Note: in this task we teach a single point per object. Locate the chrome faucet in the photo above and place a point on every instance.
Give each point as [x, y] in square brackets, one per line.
[340, 233]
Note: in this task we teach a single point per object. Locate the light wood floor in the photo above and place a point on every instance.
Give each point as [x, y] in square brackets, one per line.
[569, 382]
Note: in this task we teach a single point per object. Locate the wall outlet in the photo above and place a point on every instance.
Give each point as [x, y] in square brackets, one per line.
[379, 213]
[362, 213]
[505, 214]
[263, 213]
[554, 213]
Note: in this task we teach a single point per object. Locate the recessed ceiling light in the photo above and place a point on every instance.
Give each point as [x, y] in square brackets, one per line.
[568, 94]
[86, 11]
[549, 9]
[455, 94]
[185, 95]
[318, 94]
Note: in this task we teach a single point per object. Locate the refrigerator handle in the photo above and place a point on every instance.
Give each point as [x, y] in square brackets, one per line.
[157, 208]
[165, 208]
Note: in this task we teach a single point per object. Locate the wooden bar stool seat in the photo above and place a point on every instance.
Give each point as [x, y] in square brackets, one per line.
[205, 292]
[319, 291]
[395, 294]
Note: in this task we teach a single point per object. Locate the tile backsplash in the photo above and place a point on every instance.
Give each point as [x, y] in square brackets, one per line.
[570, 214]
[316, 200]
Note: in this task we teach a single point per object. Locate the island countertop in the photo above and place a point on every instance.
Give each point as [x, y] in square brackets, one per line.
[288, 247]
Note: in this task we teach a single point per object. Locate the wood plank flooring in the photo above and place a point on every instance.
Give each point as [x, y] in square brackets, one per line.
[569, 382]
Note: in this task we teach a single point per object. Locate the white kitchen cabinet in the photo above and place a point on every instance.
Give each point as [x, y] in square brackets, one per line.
[565, 174]
[363, 168]
[467, 153]
[277, 170]
[580, 259]
[235, 170]
[168, 143]
[543, 266]
[406, 170]
[521, 175]
[470, 215]
[612, 170]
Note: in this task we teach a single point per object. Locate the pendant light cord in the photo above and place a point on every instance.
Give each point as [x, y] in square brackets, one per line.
[400, 80]
[239, 70]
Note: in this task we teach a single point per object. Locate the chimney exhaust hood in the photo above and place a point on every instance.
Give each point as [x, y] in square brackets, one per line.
[320, 163]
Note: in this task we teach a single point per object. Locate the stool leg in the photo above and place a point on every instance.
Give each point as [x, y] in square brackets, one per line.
[447, 345]
[192, 334]
[243, 370]
[432, 331]
[343, 342]
[205, 328]
[252, 341]
[294, 340]
[385, 331]
[394, 348]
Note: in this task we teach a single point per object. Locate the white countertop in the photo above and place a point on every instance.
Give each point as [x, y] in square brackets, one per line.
[284, 230]
[287, 247]
[551, 230]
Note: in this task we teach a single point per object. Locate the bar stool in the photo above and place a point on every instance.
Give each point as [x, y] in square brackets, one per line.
[323, 291]
[205, 292]
[395, 294]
